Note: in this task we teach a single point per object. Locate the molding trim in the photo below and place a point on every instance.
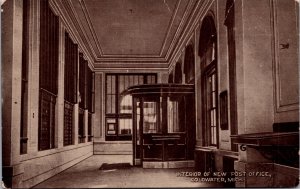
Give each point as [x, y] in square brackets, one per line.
[279, 107]
[169, 28]
[91, 28]
[182, 36]
[178, 35]
[70, 27]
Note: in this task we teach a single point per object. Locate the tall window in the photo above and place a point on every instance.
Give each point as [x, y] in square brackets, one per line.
[70, 87]
[23, 133]
[230, 23]
[118, 106]
[189, 65]
[211, 106]
[48, 76]
[207, 52]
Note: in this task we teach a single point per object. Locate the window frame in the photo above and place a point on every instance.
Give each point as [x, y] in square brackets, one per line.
[208, 97]
[117, 115]
[208, 60]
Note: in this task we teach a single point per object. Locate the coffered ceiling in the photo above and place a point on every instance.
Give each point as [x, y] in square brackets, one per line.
[128, 31]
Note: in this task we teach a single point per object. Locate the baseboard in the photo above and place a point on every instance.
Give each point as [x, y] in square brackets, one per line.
[50, 173]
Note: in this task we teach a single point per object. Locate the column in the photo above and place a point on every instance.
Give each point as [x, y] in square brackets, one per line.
[33, 76]
[99, 125]
[11, 81]
[60, 95]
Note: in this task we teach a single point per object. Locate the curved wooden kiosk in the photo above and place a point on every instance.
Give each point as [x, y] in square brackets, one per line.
[163, 125]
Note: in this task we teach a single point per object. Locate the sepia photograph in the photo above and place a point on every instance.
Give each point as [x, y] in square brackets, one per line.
[150, 93]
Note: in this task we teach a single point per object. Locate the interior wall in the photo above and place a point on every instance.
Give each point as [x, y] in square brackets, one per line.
[27, 170]
[258, 74]
[254, 66]
[11, 60]
[267, 75]
[38, 168]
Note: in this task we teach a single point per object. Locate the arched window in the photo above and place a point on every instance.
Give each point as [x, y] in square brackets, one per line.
[207, 42]
[178, 73]
[189, 64]
[207, 53]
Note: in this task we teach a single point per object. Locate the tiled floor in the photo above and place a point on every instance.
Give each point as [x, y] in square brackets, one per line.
[86, 174]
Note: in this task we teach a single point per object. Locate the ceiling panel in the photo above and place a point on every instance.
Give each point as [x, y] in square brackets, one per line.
[137, 30]
[134, 27]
